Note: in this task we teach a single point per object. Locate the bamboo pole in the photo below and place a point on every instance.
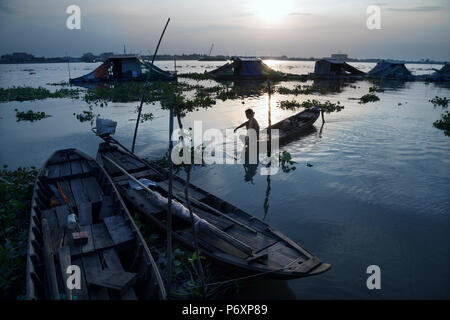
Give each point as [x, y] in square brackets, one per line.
[188, 202]
[169, 207]
[145, 87]
[49, 261]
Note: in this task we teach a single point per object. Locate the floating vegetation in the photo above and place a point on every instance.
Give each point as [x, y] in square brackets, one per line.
[86, 115]
[301, 89]
[62, 83]
[40, 93]
[195, 76]
[287, 164]
[146, 117]
[289, 105]
[30, 115]
[370, 97]
[16, 189]
[326, 106]
[376, 89]
[443, 123]
[438, 101]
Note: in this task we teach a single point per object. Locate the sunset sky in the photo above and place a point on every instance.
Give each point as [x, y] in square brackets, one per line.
[411, 29]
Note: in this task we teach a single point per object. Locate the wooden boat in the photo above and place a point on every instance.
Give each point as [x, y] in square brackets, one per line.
[237, 239]
[296, 125]
[114, 261]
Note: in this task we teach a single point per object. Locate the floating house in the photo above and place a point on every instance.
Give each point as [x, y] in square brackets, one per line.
[125, 67]
[330, 68]
[391, 70]
[246, 69]
[440, 75]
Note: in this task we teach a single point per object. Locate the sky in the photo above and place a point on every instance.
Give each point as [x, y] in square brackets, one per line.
[410, 29]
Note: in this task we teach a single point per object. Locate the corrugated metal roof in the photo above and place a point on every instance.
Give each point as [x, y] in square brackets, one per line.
[125, 56]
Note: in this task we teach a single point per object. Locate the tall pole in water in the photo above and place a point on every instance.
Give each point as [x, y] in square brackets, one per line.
[68, 64]
[145, 87]
[169, 207]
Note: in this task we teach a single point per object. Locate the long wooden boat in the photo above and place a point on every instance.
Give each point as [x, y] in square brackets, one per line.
[113, 259]
[236, 238]
[296, 125]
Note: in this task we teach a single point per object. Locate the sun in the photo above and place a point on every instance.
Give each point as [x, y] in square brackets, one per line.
[271, 12]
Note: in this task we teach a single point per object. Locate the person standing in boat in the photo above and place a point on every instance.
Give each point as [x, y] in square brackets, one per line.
[251, 125]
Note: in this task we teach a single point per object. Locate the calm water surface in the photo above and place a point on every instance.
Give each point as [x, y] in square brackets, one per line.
[377, 193]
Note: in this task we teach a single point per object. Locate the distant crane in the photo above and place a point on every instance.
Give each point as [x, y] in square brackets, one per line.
[210, 50]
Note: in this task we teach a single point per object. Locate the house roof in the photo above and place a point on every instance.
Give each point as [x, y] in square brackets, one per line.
[125, 56]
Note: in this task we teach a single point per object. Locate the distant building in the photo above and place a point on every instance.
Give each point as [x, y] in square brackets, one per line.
[339, 56]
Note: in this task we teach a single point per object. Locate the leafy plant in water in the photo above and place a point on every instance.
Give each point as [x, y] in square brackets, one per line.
[438, 101]
[375, 89]
[369, 97]
[16, 188]
[30, 115]
[443, 123]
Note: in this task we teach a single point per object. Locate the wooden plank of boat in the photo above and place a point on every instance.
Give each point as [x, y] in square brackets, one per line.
[112, 262]
[272, 250]
[65, 262]
[101, 237]
[88, 182]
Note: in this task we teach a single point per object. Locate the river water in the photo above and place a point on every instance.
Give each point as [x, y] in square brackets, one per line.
[377, 192]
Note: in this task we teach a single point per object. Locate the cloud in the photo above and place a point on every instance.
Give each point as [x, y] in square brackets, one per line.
[297, 13]
[417, 9]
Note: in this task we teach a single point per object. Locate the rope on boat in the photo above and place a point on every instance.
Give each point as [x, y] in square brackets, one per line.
[247, 277]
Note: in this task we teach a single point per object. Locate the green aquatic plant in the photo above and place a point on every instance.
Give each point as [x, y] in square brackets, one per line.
[195, 76]
[438, 101]
[443, 123]
[289, 105]
[301, 89]
[287, 164]
[30, 115]
[369, 97]
[326, 106]
[86, 115]
[16, 189]
[375, 89]
[40, 93]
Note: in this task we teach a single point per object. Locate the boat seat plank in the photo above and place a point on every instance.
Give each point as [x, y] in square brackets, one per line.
[85, 166]
[112, 262]
[101, 237]
[75, 167]
[65, 169]
[118, 229]
[113, 279]
[78, 191]
[93, 189]
[78, 249]
[53, 171]
[92, 267]
[107, 207]
[85, 213]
